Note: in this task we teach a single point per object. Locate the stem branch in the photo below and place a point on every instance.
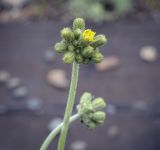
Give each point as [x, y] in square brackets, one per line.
[52, 135]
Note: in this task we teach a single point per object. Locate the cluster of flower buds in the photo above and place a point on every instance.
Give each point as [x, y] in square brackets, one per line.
[80, 45]
[91, 111]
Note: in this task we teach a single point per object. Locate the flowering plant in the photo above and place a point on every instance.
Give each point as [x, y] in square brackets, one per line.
[79, 46]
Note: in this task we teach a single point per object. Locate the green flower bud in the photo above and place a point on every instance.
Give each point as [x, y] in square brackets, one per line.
[60, 47]
[85, 106]
[78, 23]
[77, 33]
[83, 111]
[99, 40]
[86, 98]
[67, 34]
[69, 57]
[71, 48]
[87, 51]
[98, 104]
[90, 111]
[97, 57]
[99, 116]
[79, 58]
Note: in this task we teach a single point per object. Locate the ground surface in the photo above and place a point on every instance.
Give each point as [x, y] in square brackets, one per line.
[22, 46]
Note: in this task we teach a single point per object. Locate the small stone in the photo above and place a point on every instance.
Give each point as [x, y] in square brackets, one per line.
[4, 76]
[54, 123]
[108, 63]
[149, 53]
[49, 56]
[13, 83]
[113, 132]
[20, 92]
[57, 78]
[34, 103]
[79, 145]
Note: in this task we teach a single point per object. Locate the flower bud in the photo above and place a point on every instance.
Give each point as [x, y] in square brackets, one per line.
[99, 103]
[60, 47]
[71, 48]
[67, 34]
[77, 33]
[78, 23]
[90, 111]
[86, 98]
[97, 57]
[69, 57]
[86, 108]
[87, 51]
[79, 58]
[99, 116]
[99, 40]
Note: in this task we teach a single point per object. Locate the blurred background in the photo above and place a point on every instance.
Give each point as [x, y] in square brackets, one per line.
[34, 82]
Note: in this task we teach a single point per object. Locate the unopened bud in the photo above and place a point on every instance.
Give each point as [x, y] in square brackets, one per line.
[97, 57]
[99, 116]
[99, 40]
[60, 47]
[86, 98]
[78, 23]
[86, 108]
[67, 34]
[98, 104]
[77, 33]
[69, 57]
[87, 51]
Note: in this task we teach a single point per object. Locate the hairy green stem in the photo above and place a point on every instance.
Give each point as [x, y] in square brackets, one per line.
[69, 107]
[52, 135]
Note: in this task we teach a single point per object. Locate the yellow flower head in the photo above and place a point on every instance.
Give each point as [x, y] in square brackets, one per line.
[88, 35]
